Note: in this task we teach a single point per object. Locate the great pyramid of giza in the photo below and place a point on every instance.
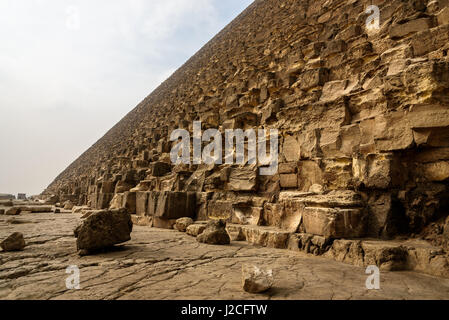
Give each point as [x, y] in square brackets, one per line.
[361, 105]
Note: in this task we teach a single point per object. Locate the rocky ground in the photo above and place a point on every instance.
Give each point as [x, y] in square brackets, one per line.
[166, 264]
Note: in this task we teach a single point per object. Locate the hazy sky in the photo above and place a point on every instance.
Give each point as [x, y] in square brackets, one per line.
[70, 70]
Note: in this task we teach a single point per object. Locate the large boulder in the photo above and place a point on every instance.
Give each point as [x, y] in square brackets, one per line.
[103, 229]
[14, 242]
[215, 233]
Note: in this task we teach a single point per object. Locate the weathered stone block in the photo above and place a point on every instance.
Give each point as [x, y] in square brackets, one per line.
[214, 233]
[195, 229]
[272, 214]
[103, 200]
[436, 171]
[310, 173]
[334, 223]
[171, 205]
[141, 203]
[290, 167]
[242, 179]
[103, 229]
[247, 215]
[159, 169]
[220, 209]
[289, 180]
[400, 30]
[313, 78]
[162, 223]
[129, 202]
[443, 16]
[183, 223]
[290, 149]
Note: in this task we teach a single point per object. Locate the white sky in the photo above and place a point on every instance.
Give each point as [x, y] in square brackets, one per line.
[70, 70]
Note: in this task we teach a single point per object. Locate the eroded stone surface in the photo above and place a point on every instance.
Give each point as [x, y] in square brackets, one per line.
[167, 264]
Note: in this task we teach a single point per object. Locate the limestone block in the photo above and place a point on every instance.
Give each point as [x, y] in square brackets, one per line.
[242, 179]
[443, 16]
[220, 209]
[290, 167]
[309, 173]
[334, 223]
[272, 214]
[129, 202]
[436, 171]
[393, 132]
[428, 116]
[289, 180]
[333, 90]
[159, 169]
[117, 201]
[412, 26]
[195, 229]
[141, 203]
[163, 223]
[171, 205]
[183, 223]
[313, 78]
[290, 149]
[103, 200]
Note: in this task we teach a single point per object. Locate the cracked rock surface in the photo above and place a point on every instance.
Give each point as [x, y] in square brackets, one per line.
[166, 264]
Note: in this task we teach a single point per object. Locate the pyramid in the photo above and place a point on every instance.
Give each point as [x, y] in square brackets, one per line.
[361, 107]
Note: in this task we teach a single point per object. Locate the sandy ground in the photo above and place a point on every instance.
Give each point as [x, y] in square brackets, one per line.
[166, 264]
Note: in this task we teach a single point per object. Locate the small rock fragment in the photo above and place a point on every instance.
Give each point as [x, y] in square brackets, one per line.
[2, 211]
[14, 211]
[14, 242]
[255, 279]
[215, 233]
[183, 223]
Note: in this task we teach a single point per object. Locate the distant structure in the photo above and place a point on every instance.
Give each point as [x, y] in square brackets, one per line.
[5, 196]
[21, 196]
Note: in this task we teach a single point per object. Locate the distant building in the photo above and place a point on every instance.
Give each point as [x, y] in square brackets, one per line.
[5, 196]
[22, 196]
